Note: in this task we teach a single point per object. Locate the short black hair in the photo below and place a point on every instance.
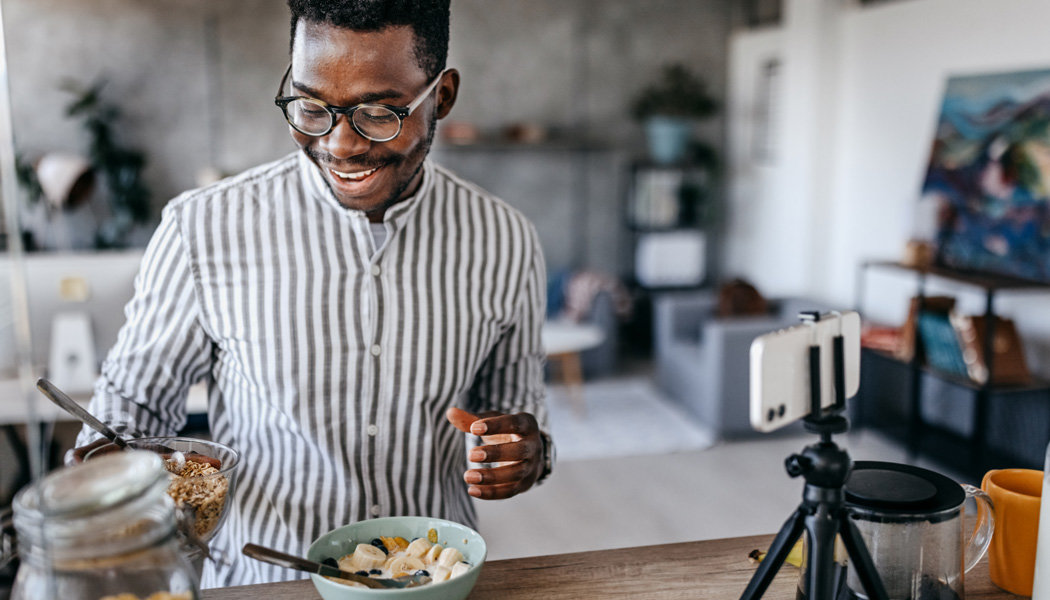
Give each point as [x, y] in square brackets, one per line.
[428, 19]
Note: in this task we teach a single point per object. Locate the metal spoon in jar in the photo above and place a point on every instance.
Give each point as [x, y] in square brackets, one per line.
[301, 564]
[70, 406]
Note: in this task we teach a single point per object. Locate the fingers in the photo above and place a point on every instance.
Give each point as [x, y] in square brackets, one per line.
[460, 418]
[512, 441]
[519, 423]
[510, 473]
[518, 469]
[496, 492]
[512, 451]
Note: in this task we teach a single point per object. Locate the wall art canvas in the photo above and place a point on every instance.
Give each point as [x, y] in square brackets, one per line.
[989, 174]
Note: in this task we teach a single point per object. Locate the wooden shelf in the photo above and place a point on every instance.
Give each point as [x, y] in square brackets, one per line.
[985, 281]
[1036, 385]
[981, 455]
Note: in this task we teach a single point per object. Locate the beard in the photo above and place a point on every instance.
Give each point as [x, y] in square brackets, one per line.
[364, 163]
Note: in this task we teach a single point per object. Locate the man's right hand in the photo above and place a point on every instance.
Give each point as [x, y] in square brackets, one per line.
[106, 445]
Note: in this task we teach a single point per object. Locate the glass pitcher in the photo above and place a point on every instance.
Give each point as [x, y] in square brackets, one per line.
[912, 522]
[101, 530]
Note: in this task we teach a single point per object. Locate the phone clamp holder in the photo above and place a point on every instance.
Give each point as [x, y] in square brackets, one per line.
[822, 513]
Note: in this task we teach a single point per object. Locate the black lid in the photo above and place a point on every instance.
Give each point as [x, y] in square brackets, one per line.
[895, 489]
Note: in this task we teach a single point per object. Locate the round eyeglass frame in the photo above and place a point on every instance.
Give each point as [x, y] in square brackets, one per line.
[401, 112]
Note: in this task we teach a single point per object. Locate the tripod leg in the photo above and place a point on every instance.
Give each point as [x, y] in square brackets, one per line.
[865, 567]
[822, 527]
[775, 557]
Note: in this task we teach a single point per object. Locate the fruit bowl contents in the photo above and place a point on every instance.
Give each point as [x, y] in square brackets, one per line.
[451, 554]
[389, 557]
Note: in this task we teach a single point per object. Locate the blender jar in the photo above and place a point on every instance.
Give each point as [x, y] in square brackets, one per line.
[101, 530]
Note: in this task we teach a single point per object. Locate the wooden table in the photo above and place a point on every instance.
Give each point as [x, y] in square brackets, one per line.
[712, 569]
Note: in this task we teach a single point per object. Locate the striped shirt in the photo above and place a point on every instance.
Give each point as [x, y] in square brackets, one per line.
[329, 362]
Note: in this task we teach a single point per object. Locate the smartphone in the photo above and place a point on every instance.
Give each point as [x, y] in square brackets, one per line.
[780, 372]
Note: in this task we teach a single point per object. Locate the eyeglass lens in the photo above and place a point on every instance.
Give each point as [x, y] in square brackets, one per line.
[313, 118]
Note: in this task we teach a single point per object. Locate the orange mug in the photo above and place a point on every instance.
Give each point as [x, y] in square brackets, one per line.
[1011, 557]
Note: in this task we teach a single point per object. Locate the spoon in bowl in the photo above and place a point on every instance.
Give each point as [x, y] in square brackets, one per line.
[301, 564]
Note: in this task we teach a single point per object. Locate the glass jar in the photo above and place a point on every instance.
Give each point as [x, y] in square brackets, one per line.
[912, 521]
[101, 530]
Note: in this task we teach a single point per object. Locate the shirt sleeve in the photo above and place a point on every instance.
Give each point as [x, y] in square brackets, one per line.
[161, 350]
[511, 378]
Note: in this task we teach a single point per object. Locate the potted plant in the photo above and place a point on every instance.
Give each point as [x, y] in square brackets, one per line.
[669, 108]
[120, 167]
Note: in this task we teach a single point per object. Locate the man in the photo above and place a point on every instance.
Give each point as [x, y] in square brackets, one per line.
[350, 306]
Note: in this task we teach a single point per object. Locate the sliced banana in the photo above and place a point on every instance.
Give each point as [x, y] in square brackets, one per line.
[418, 547]
[459, 569]
[433, 554]
[346, 563]
[366, 557]
[449, 557]
[440, 573]
[398, 565]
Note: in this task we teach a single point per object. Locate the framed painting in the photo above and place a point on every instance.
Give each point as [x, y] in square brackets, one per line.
[989, 174]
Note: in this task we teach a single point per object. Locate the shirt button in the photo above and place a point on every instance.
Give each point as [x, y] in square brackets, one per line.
[376, 350]
[372, 430]
[376, 270]
[375, 510]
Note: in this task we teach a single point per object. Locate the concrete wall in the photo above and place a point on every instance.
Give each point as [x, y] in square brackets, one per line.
[196, 79]
[876, 83]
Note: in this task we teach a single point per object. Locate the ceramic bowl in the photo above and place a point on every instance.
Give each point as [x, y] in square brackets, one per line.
[342, 541]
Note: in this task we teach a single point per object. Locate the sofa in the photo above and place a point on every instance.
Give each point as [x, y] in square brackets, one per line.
[702, 360]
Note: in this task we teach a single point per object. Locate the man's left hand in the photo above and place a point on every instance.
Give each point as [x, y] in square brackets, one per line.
[511, 441]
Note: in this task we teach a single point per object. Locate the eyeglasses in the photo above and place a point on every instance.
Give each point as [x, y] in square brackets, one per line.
[376, 122]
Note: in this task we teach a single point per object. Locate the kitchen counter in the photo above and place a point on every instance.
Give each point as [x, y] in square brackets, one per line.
[711, 569]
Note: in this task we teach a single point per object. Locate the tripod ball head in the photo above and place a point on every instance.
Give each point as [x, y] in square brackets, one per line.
[823, 464]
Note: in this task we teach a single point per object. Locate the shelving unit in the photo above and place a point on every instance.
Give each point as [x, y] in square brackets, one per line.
[661, 203]
[670, 202]
[917, 428]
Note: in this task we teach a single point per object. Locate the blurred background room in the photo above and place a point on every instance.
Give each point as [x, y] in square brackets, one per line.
[698, 172]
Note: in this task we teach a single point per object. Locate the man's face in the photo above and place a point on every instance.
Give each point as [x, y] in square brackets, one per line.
[343, 67]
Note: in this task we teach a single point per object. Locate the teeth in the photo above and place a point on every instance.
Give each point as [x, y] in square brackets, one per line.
[355, 176]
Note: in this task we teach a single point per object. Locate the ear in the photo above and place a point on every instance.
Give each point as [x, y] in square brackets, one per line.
[448, 89]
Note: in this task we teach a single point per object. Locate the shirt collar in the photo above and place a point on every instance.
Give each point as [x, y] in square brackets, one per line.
[317, 187]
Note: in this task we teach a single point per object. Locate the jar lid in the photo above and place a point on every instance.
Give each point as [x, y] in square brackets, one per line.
[106, 481]
[896, 489]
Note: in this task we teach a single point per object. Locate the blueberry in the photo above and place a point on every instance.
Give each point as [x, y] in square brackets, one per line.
[378, 543]
[422, 572]
[361, 573]
[331, 562]
[375, 572]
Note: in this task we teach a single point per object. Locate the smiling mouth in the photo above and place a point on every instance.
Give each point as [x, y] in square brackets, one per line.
[354, 176]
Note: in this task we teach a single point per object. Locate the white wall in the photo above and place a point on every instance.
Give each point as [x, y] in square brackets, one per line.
[877, 85]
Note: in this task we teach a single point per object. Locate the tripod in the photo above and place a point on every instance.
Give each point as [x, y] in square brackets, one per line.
[822, 513]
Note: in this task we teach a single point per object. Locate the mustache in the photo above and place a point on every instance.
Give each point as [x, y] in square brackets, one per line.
[325, 159]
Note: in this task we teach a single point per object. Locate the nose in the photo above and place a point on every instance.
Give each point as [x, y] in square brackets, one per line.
[343, 141]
